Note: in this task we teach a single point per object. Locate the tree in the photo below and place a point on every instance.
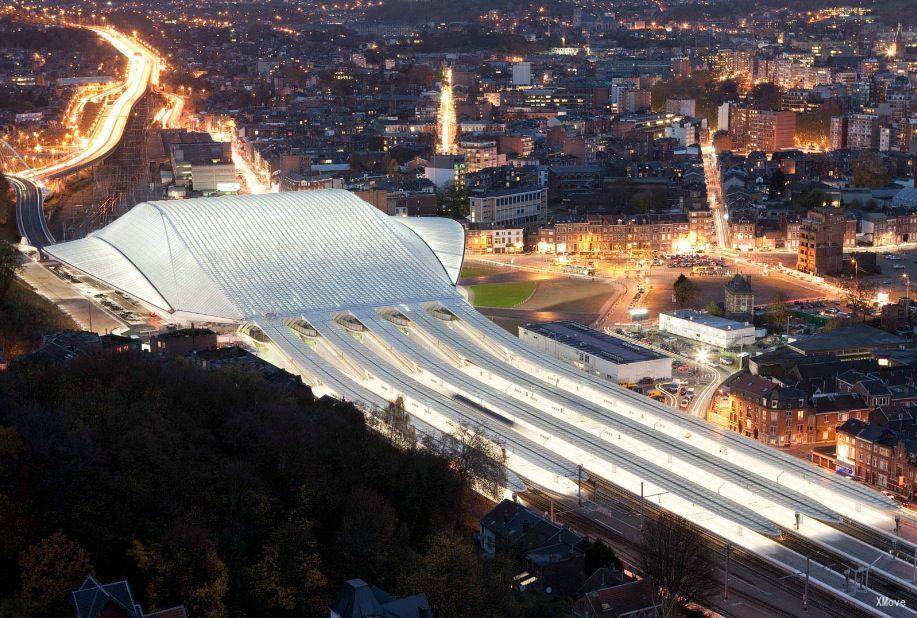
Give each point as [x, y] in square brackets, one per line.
[185, 567]
[49, 571]
[816, 198]
[765, 96]
[714, 308]
[396, 425]
[451, 578]
[777, 313]
[859, 296]
[478, 459]
[9, 266]
[684, 290]
[677, 562]
[366, 536]
[453, 202]
[600, 556]
[288, 577]
[6, 199]
[869, 171]
[777, 185]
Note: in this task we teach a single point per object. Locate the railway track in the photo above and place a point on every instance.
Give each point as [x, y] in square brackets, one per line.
[762, 571]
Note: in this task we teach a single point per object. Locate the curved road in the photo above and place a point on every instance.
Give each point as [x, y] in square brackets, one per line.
[30, 216]
[142, 72]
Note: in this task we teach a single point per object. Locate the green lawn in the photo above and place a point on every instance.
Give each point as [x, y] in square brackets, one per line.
[502, 294]
[469, 271]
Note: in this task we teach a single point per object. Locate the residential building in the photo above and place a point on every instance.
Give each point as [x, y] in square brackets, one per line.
[624, 233]
[765, 130]
[632, 100]
[357, 599]
[518, 206]
[494, 240]
[115, 600]
[445, 171]
[480, 154]
[821, 242]
[553, 555]
[766, 411]
[179, 342]
[862, 131]
[682, 107]
[611, 594]
[837, 133]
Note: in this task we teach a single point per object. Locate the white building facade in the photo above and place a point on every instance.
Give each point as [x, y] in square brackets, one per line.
[709, 329]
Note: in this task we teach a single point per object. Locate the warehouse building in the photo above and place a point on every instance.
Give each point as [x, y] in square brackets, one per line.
[710, 329]
[610, 357]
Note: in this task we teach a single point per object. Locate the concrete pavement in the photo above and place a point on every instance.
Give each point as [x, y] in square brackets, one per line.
[80, 308]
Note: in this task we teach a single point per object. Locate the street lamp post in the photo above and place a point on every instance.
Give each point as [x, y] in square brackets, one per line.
[907, 284]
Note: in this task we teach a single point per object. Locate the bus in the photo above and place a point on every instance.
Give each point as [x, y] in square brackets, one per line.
[576, 269]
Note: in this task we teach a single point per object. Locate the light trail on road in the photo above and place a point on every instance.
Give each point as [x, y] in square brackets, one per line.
[142, 71]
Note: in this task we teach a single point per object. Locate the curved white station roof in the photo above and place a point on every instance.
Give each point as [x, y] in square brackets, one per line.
[236, 258]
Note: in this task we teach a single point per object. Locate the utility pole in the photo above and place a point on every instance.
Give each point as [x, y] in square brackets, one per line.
[579, 485]
[641, 506]
[726, 579]
[805, 594]
[89, 305]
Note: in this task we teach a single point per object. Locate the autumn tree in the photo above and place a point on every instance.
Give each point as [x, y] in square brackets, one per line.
[185, 567]
[677, 562]
[49, 571]
[684, 290]
[288, 576]
[777, 313]
[869, 171]
[451, 578]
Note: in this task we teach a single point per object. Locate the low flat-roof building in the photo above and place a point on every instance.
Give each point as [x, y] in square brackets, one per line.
[610, 357]
[848, 342]
[710, 329]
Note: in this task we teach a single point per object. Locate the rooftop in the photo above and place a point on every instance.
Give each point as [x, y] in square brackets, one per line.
[706, 319]
[845, 338]
[594, 342]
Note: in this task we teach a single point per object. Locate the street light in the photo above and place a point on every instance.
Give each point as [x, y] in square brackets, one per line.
[907, 283]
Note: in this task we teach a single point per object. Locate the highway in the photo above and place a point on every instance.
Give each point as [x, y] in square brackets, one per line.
[30, 215]
[142, 72]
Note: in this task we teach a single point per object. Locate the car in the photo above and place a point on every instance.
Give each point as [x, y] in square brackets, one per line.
[899, 266]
